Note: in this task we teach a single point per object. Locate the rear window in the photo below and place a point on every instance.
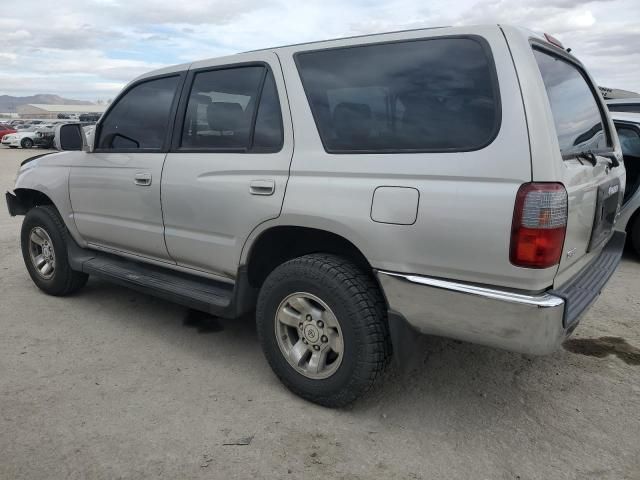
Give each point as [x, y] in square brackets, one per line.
[427, 95]
[624, 107]
[576, 114]
[629, 141]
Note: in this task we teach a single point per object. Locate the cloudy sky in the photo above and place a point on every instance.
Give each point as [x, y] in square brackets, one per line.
[89, 49]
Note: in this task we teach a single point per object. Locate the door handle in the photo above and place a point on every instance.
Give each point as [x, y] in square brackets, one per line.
[262, 187]
[142, 179]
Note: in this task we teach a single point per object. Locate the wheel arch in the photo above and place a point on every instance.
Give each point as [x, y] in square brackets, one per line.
[277, 244]
[24, 199]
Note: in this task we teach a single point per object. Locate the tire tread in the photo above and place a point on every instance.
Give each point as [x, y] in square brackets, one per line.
[71, 280]
[369, 320]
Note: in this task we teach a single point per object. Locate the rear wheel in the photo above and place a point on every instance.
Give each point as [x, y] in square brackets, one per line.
[26, 143]
[323, 328]
[44, 250]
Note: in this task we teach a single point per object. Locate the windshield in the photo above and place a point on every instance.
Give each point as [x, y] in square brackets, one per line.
[576, 114]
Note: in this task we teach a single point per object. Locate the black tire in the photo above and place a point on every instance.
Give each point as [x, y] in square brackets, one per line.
[64, 280]
[635, 234]
[26, 143]
[358, 305]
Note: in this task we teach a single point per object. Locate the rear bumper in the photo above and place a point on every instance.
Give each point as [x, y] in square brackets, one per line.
[531, 324]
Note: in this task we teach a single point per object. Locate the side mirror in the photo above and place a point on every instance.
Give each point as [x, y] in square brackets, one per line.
[70, 136]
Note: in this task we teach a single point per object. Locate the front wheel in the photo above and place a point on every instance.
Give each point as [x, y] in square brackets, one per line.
[323, 328]
[44, 250]
[27, 143]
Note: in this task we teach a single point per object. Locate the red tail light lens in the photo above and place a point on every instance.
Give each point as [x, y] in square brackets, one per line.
[539, 225]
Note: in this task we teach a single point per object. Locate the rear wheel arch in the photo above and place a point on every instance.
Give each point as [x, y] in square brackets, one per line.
[279, 244]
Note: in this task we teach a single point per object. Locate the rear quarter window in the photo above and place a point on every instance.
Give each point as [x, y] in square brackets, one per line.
[576, 114]
[438, 94]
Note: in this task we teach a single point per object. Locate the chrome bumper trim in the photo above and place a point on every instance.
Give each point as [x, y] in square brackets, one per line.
[543, 301]
[523, 323]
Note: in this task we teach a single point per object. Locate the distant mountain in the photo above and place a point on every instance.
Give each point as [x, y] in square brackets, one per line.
[9, 103]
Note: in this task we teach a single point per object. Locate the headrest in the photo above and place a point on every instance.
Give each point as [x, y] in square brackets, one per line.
[352, 121]
[225, 116]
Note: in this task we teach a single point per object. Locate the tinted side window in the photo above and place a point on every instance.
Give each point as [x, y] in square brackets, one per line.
[575, 111]
[629, 141]
[220, 111]
[139, 120]
[625, 107]
[268, 135]
[425, 95]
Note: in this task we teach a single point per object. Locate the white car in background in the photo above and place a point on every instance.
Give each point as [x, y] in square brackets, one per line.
[21, 139]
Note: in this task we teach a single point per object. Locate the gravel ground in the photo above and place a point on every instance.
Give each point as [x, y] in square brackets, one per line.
[110, 383]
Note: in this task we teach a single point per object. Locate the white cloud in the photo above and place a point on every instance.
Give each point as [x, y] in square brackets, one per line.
[90, 48]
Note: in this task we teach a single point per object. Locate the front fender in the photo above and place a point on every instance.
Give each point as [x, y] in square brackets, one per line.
[45, 176]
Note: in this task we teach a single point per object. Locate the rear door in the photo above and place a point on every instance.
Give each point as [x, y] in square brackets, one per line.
[590, 167]
[229, 162]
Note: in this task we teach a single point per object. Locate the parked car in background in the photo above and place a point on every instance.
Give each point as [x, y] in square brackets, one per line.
[462, 182]
[89, 117]
[45, 135]
[629, 105]
[5, 130]
[628, 128]
[23, 138]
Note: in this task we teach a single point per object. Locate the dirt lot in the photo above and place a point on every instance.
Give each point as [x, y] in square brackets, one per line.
[114, 384]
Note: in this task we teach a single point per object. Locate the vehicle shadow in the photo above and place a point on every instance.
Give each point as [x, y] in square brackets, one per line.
[443, 379]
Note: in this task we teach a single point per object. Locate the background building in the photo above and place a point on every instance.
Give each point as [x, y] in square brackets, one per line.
[39, 110]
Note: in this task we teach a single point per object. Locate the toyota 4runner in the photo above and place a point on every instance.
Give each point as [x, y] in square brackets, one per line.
[461, 182]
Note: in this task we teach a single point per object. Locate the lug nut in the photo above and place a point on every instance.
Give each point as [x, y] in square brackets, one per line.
[320, 324]
[300, 325]
[308, 318]
[324, 339]
[316, 347]
[304, 340]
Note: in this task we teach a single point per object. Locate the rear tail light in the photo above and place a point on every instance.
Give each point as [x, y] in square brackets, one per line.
[539, 225]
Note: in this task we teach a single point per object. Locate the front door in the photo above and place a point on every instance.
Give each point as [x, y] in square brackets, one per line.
[115, 190]
[229, 163]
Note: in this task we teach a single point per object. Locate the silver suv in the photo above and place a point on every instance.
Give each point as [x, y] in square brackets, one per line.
[461, 182]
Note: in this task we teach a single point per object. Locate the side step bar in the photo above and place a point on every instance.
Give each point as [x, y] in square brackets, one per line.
[218, 298]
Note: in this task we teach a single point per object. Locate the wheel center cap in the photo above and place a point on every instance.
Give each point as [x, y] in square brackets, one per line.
[311, 333]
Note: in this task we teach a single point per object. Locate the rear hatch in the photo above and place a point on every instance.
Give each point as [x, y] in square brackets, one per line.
[592, 171]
